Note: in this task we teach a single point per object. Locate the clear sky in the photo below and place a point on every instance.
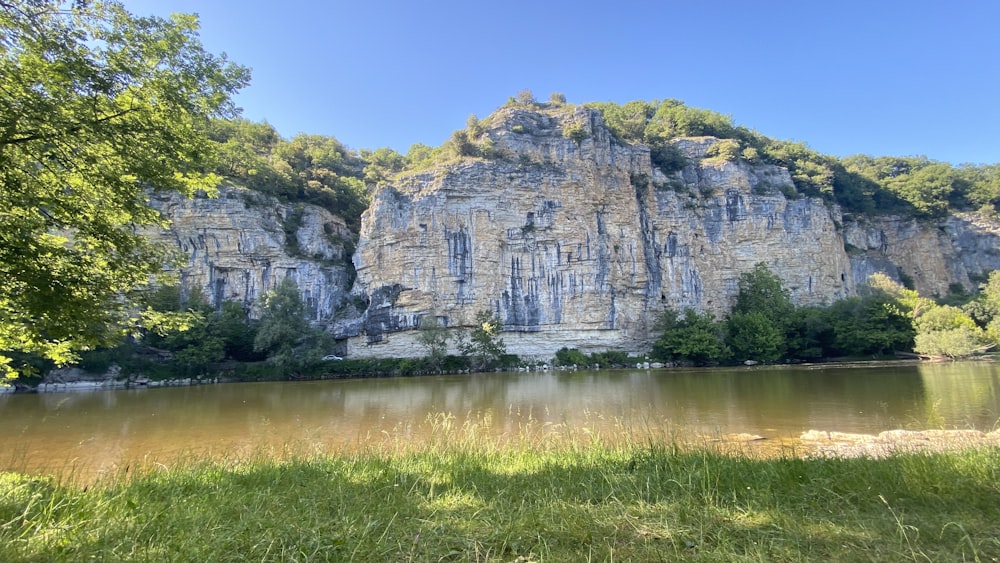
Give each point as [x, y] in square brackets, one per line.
[879, 77]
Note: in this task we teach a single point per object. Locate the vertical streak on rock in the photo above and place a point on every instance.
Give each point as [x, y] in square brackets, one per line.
[650, 248]
[612, 312]
[460, 261]
[601, 283]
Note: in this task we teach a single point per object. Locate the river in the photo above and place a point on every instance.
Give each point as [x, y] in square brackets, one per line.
[87, 434]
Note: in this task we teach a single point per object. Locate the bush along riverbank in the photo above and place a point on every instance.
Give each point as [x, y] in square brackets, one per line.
[148, 371]
[463, 498]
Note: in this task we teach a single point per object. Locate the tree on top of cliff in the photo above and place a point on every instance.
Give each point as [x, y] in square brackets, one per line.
[912, 186]
[96, 107]
[314, 169]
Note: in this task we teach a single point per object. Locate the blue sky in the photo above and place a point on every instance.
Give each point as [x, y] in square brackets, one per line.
[874, 77]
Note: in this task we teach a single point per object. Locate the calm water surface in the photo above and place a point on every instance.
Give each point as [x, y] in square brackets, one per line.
[97, 432]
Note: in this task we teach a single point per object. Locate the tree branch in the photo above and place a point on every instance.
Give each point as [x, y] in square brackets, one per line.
[73, 129]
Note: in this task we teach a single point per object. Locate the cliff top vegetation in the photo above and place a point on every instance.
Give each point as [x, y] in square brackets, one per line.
[319, 169]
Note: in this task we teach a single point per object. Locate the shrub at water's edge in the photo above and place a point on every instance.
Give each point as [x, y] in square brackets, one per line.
[886, 318]
[763, 326]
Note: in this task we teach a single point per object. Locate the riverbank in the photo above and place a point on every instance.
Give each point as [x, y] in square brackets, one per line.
[77, 379]
[893, 442]
[466, 499]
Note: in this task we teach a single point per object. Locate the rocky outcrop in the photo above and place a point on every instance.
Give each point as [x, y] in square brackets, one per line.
[240, 244]
[935, 255]
[570, 236]
[894, 442]
[581, 242]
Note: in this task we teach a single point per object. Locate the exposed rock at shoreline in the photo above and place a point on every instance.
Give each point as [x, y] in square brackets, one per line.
[842, 444]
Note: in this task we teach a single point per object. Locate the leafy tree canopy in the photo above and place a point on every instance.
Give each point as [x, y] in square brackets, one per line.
[96, 107]
[485, 345]
[284, 332]
[433, 337]
[761, 291]
[695, 337]
[312, 169]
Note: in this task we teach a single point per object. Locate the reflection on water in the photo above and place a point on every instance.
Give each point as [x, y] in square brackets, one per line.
[101, 431]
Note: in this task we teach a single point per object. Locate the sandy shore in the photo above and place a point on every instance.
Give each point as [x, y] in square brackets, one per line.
[842, 444]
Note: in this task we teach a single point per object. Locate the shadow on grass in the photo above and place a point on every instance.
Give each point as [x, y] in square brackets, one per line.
[601, 504]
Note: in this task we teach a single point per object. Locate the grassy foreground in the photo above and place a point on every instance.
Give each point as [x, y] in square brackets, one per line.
[469, 500]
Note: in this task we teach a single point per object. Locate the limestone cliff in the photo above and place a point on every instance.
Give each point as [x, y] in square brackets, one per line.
[936, 255]
[572, 237]
[581, 241]
[241, 244]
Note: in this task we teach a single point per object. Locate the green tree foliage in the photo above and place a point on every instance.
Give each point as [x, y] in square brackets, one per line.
[210, 337]
[958, 342]
[695, 337]
[675, 119]
[382, 165]
[861, 184]
[908, 302]
[981, 187]
[809, 334]
[813, 174]
[885, 321]
[284, 332]
[326, 175]
[943, 317]
[927, 187]
[233, 326]
[96, 107]
[474, 127]
[874, 324]
[243, 153]
[990, 291]
[754, 336]
[194, 347]
[575, 132]
[757, 326]
[760, 290]
[525, 98]
[724, 150]
[460, 145]
[420, 156]
[570, 357]
[312, 169]
[433, 337]
[985, 308]
[628, 122]
[945, 330]
[485, 347]
[887, 317]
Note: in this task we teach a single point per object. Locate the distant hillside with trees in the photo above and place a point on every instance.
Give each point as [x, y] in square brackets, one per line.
[321, 170]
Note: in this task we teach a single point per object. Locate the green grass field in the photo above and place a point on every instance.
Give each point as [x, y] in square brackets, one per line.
[464, 498]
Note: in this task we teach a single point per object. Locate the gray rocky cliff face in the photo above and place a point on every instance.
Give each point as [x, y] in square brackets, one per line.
[571, 243]
[239, 245]
[936, 255]
[581, 244]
